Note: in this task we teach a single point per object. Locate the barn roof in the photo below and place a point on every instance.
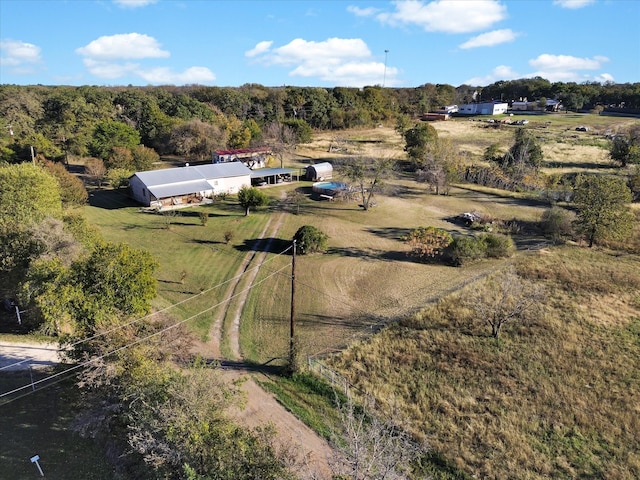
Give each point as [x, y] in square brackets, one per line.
[177, 189]
[196, 173]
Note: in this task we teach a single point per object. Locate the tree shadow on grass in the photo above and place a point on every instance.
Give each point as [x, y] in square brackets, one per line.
[391, 233]
[268, 245]
[371, 254]
[111, 199]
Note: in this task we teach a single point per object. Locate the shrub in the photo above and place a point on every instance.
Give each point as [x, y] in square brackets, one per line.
[465, 249]
[497, 246]
[427, 242]
[309, 239]
[557, 222]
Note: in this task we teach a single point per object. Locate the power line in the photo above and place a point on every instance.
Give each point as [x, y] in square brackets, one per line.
[136, 320]
[140, 340]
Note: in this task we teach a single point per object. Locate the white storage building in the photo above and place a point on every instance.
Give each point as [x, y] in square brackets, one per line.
[188, 185]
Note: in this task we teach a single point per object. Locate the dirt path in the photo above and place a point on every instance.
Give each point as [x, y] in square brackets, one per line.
[22, 356]
[312, 452]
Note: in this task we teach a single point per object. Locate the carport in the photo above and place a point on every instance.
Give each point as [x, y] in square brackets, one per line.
[272, 176]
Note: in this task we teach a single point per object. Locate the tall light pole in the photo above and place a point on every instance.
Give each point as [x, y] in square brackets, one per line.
[384, 77]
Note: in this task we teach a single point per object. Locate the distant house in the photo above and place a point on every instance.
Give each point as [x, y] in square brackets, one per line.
[319, 171]
[448, 109]
[251, 157]
[187, 185]
[486, 108]
[524, 105]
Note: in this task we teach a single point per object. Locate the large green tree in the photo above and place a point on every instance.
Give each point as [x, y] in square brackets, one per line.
[310, 239]
[251, 197]
[28, 194]
[602, 211]
[112, 283]
[110, 133]
[417, 140]
[625, 147]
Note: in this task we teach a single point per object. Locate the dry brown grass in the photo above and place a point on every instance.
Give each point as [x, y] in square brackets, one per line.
[556, 398]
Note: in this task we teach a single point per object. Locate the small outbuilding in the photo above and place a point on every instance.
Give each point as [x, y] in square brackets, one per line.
[319, 171]
[488, 108]
[251, 157]
[188, 185]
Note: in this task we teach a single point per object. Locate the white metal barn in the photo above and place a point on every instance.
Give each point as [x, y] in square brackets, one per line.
[489, 108]
[319, 171]
[188, 185]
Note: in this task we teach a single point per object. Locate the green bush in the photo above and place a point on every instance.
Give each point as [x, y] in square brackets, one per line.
[497, 246]
[309, 239]
[465, 249]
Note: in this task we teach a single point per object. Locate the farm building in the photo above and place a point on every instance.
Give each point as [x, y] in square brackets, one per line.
[187, 185]
[251, 157]
[524, 105]
[488, 108]
[319, 171]
[433, 116]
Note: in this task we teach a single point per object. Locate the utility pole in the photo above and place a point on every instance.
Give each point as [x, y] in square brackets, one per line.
[292, 352]
[384, 77]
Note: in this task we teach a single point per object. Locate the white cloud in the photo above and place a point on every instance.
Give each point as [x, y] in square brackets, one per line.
[20, 56]
[164, 75]
[549, 62]
[339, 61]
[501, 72]
[604, 78]
[332, 51]
[490, 39]
[572, 4]
[109, 70]
[259, 49]
[133, 3]
[449, 16]
[121, 46]
[555, 68]
[108, 57]
[362, 12]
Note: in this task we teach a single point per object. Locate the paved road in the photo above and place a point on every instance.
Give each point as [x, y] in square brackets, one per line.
[19, 356]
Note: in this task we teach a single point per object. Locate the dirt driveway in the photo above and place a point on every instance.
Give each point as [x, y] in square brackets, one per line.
[313, 452]
[22, 356]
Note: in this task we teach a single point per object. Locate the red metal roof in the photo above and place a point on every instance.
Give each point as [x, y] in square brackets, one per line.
[238, 151]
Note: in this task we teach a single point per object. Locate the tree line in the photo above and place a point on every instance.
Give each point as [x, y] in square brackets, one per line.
[58, 121]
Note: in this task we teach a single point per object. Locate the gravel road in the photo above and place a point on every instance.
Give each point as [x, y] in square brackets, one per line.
[20, 356]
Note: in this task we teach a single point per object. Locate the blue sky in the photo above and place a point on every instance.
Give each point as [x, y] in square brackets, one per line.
[317, 43]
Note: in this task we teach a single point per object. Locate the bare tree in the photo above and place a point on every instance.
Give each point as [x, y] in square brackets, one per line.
[369, 175]
[503, 298]
[281, 139]
[295, 198]
[370, 448]
[440, 166]
[95, 169]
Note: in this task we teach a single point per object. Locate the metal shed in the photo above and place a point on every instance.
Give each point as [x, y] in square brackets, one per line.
[319, 172]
